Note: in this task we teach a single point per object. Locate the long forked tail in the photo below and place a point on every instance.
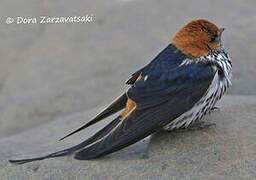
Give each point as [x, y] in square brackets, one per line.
[102, 133]
[114, 107]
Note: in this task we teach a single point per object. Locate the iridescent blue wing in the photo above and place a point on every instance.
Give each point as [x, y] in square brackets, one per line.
[164, 92]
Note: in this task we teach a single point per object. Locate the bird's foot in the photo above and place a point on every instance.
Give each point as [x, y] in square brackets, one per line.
[215, 108]
[196, 126]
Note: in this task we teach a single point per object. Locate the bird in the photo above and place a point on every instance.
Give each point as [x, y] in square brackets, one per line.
[172, 92]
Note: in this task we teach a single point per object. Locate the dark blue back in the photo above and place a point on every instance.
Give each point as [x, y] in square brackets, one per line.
[164, 79]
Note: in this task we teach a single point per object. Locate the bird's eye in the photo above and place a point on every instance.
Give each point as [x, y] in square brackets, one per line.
[213, 39]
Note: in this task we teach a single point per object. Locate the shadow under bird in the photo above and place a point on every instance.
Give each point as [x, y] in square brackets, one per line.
[174, 91]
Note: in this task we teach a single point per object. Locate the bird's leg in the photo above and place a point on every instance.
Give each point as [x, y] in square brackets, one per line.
[196, 126]
[201, 125]
[215, 108]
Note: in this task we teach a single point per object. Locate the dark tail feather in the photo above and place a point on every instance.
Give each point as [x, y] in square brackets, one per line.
[103, 132]
[104, 148]
[131, 130]
[116, 106]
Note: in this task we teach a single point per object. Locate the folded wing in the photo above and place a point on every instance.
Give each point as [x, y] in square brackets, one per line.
[156, 105]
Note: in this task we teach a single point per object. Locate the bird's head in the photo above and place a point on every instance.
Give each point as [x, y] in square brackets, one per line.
[198, 37]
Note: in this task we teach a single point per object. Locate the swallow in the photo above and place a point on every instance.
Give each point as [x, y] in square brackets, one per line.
[174, 91]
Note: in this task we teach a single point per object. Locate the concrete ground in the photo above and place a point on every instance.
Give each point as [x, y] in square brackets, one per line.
[54, 77]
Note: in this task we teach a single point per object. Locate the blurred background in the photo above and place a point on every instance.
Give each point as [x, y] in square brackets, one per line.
[49, 71]
[55, 77]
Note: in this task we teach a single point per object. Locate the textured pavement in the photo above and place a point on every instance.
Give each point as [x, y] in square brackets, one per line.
[63, 74]
[227, 151]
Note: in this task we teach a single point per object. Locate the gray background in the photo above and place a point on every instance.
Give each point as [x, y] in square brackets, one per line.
[51, 72]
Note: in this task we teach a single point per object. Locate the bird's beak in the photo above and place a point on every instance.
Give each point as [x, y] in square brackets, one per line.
[219, 34]
[221, 31]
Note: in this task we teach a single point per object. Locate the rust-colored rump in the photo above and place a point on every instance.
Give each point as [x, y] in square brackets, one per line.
[130, 104]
